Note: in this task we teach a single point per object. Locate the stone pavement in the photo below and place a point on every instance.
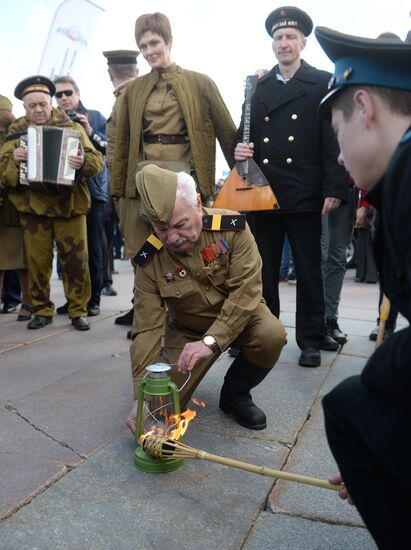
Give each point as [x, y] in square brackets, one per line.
[67, 479]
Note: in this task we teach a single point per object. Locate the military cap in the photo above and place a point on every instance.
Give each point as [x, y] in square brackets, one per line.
[364, 61]
[5, 103]
[157, 188]
[121, 57]
[36, 83]
[289, 17]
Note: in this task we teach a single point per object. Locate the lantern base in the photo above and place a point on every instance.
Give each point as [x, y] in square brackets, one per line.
[147, 463]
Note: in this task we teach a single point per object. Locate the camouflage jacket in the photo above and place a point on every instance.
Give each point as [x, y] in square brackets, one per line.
[49, 202]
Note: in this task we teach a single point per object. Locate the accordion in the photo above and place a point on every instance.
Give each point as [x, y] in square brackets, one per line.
[48, 149]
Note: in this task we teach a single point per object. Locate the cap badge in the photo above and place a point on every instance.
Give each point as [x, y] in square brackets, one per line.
[347, 73]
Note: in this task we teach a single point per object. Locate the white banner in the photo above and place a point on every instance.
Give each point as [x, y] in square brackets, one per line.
[69, 37]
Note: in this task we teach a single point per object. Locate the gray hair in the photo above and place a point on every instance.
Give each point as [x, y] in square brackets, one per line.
[186, 188]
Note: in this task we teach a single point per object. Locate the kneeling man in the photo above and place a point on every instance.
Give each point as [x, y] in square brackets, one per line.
[198, 290]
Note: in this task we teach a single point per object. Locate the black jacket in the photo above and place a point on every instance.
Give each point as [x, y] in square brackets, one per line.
[294, 147]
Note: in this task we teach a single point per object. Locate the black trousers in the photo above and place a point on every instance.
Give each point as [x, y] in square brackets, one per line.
[97, 246]
[304, 234]
[382, 499]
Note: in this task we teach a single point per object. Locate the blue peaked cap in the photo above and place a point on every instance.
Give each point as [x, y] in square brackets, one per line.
[364, 61]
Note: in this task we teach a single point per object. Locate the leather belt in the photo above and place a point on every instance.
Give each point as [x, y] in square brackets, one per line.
[165, 138]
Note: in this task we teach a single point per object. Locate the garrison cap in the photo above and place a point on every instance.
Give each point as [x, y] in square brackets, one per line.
[36, 83]
[157, 188]
[5, 103]
[360, 61]
[289, 17]
[121, 57]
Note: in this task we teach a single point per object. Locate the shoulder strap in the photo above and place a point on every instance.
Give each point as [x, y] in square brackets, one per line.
[224, 222]
[148, 251]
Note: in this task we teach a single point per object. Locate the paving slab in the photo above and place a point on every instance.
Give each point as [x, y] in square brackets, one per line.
[284, 532]
[286, 396]
[107, 503]
[47, 360]
[28, 460]
[312, 456]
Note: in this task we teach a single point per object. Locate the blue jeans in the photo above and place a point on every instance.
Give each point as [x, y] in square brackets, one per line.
[336, 235]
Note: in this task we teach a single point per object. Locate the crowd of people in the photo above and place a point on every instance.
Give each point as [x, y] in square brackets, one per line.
[208, 279]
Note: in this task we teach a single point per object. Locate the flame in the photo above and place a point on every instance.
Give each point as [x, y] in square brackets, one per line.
[175, 427]
[198, 402]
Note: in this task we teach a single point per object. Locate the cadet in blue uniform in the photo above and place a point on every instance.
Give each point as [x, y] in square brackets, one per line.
[368, 417]
[204, 271]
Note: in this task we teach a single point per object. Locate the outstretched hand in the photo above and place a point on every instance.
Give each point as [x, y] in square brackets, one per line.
[344, 494]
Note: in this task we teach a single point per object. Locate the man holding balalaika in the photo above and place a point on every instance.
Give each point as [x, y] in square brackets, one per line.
[44, 161]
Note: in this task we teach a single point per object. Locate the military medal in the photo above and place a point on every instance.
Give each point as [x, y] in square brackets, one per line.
[181, 272]
[168, 276]
[213, 251]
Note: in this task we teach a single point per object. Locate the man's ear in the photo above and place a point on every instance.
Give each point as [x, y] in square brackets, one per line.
[199, 202]
[365, 103]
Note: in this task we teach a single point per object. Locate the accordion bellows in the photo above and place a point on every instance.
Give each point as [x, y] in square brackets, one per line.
[48, 149]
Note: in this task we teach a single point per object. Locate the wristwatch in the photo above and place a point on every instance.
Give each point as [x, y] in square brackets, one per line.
[211, 342]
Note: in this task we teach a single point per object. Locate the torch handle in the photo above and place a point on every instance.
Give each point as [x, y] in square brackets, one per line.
[269, 472]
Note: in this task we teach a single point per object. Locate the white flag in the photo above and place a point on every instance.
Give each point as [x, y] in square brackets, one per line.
[69, 37]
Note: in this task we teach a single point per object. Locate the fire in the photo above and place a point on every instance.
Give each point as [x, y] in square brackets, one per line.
[198, 402]
[175, 426]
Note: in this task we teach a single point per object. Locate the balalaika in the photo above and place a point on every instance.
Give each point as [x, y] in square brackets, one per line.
[48, 149]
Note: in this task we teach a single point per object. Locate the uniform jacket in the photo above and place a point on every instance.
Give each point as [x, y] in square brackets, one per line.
[219, 304]
[206, 117]
[98, 184]
[52, 203]
[387, 429]
[111, 126]
[294, 147]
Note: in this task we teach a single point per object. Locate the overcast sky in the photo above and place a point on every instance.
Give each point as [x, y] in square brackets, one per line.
[225, 39]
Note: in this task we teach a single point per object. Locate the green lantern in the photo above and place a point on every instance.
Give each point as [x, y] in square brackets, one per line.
[158, 404]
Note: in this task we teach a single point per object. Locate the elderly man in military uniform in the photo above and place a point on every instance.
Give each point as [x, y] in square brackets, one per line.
[122, 70]
[49, 212]
[198, 281]
[297, 152]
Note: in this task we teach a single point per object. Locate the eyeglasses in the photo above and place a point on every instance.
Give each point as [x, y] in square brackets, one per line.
[68, 93]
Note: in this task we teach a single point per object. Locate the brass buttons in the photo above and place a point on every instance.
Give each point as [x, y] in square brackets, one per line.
[294, 116]
[266, 140]
[290, 138]
[265, 161]
[266, 119]
[289, 160]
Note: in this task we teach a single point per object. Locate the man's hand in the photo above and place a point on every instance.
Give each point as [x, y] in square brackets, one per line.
[330, 204]
[244, 151]
[76, 161]
[83, 120]
[336, 480]
[192, 353]
[131, 417]
[19, 155]
[362, 220]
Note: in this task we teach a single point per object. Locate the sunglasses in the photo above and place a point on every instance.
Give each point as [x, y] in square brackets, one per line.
[67, 93]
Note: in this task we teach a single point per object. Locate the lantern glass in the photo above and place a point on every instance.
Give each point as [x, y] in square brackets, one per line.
[158, 400]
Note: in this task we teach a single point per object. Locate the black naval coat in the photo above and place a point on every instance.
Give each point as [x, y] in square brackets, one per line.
[294, 147]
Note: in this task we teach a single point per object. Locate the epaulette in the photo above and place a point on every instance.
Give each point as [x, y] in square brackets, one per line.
[226, 222]
[148, 250]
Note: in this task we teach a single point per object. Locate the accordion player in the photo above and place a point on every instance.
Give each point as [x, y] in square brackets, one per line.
[48, 149]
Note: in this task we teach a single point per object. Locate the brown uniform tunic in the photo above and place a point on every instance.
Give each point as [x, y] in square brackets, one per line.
[226, 304]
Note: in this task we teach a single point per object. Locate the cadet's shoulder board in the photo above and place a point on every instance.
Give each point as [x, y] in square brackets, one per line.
[148, 250]
[226, 222]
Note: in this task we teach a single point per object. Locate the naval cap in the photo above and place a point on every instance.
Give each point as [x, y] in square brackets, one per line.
[289, 17]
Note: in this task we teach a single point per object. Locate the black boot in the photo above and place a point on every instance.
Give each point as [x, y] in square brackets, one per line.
[235, 396]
